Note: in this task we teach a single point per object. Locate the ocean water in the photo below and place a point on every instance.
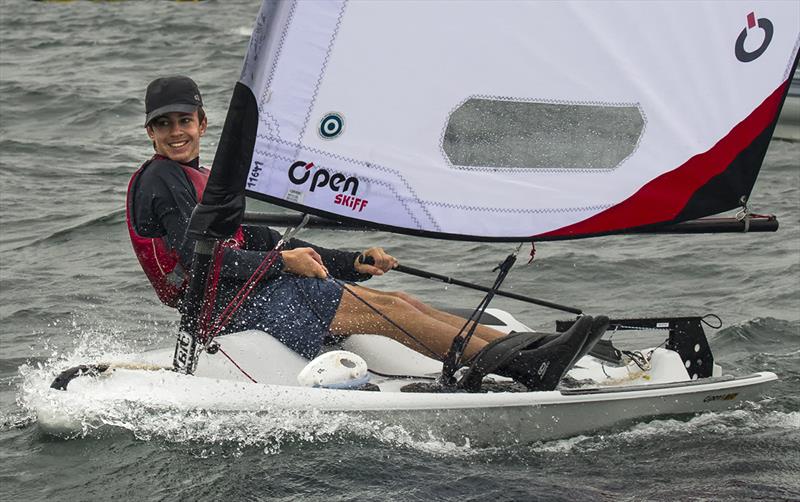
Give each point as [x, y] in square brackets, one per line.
[72, 78]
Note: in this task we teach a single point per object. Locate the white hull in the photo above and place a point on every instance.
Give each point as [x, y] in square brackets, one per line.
[492, 418]
[630, 394]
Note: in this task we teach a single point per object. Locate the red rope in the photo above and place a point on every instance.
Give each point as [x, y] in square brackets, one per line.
[533, 252]
[211, 298]
[207, 330]
[237, 301]
[237, 366]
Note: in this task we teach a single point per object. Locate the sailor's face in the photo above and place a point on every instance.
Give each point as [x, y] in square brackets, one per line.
[177, 135]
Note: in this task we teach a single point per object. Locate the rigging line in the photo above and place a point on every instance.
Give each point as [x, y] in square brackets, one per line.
[473, 319]
[220, 324]
[235, 364]
[385, 317]
[385, 375]
[453, 357]
[248, 286]
[225, 316]
[638, 358]
[207, 308]
[313, 308]
[712, 316]
[455, 354]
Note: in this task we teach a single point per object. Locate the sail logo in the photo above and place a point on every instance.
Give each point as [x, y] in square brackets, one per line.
[300, 174]
[331, 125]
[765, 25]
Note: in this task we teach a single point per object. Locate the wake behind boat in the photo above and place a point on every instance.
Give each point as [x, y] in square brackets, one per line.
[431, 144]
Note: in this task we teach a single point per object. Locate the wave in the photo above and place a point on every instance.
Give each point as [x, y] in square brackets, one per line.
[749, 420]
[113, 218]
[18, 148]
[110, 112]
[758, 335]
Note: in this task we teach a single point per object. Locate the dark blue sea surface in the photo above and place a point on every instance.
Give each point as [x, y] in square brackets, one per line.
[72, 79]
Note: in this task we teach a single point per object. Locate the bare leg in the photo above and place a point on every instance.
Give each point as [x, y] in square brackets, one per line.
[483, 332]
[431, 334]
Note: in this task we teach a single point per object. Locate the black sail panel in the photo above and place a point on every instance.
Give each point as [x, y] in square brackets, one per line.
[221, 211]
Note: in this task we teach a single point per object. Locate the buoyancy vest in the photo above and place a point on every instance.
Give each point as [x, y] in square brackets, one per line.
[162, 265]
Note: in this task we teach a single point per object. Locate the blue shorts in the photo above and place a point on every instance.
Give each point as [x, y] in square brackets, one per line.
[298, 311]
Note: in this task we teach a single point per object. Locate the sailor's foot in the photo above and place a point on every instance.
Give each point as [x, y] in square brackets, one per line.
[542, 368]
[598, 329]
[496, 354]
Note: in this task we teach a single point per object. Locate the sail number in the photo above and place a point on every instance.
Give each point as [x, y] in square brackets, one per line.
[255, 172]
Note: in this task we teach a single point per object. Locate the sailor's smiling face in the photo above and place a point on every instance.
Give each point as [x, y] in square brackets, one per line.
[176, 135]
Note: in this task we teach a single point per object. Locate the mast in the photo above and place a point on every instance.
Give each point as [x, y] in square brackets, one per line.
[217, 216]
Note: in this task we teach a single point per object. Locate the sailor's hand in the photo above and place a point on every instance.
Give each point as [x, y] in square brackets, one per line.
[304, 262]
[375, 261]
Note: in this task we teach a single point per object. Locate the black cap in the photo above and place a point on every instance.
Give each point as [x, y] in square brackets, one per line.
[171, 94]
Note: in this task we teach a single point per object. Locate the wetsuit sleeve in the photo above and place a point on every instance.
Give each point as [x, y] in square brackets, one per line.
[259, 238]
[340, 263]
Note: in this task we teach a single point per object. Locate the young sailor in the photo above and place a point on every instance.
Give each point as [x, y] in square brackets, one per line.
[298, 301]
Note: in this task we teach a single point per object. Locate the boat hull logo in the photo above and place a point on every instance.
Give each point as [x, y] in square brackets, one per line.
[345, 187]
[721, 397]
[765, 26]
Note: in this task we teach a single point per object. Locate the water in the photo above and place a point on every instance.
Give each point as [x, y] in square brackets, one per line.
[72, 77]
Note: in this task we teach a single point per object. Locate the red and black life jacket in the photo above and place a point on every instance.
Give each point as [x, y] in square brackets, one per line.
[162, 265]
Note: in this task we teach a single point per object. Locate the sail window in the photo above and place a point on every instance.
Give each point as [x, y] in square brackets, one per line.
[498, 133]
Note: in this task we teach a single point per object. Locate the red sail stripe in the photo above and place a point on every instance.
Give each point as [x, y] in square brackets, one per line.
[663, 198]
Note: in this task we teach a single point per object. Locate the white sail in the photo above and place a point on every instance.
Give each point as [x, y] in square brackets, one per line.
[511, 120]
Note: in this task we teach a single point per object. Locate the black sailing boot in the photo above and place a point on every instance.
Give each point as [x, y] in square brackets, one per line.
[541, 368]
[496, 354]
[537, 360]
[598, 329]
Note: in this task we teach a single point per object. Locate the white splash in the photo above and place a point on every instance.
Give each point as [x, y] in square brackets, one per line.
[78, 415]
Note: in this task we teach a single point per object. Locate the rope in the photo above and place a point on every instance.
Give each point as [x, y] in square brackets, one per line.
[227, 314]
[533, 253]
[211, 297]
[717, 325]
[208, 333]
[455, 355]
[386, 318]
[237, 366]
[241, 295]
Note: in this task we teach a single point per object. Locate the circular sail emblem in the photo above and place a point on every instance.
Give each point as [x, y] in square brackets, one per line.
[331, 125]
[743, 54]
